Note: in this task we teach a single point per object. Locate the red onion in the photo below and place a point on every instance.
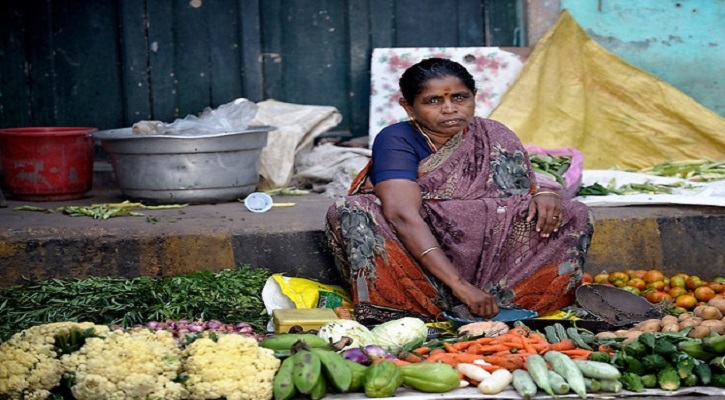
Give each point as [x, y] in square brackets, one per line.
[356, 354]
[375, 352]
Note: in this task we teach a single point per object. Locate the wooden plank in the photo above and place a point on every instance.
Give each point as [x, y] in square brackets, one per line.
[134, 61]
[88, 87]
[470, 23]
[192, 56]
[272, 27]
[382, 28]
[162, 50]
[40, 60]
[425, 23]
[224, 58]
[360, 52]
[251, 39]
[502, 23]
[15, 94]
[313, 41]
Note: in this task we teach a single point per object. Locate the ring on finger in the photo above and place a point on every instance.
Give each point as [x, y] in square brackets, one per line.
[555, 217]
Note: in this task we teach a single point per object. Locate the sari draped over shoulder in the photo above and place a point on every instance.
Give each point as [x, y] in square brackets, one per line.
[476, 192]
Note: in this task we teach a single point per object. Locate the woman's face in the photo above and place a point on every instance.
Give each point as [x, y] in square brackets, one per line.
[445, 106]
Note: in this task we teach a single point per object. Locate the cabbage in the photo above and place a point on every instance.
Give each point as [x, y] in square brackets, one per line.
[334, 330]
[396, 334]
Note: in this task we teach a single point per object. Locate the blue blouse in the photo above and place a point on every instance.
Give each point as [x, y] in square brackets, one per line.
[397, 151]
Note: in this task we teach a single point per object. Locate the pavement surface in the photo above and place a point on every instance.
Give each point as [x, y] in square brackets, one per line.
[38, 245]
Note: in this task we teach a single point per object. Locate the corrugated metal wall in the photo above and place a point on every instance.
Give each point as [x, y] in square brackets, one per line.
[110, 63]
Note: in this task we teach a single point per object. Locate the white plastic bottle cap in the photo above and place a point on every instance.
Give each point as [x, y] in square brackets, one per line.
[258, 202]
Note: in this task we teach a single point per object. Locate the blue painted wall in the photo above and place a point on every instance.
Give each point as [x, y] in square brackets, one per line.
[681, 42]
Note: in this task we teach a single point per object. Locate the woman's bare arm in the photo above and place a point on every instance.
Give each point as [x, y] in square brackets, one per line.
[401, 202]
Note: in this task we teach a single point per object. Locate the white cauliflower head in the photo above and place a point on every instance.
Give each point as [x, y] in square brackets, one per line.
[29, 364]
[234, 367]
[140, 364]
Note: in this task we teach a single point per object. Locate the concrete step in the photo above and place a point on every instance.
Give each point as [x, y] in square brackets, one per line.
[36, 245]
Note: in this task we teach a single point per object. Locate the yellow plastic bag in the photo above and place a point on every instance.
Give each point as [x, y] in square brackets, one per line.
[306, 293]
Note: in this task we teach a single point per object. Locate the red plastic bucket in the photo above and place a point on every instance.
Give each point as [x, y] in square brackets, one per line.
[47, 163]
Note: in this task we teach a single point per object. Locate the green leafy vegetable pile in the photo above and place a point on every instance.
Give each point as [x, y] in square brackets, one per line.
[555, 166]
[232, 295]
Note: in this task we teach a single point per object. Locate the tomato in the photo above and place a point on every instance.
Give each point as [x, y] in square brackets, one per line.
[716, 286]
[657, 285]
[704, 293]
[631, 289]
[657, 296]
[587, 278]
[677, 291]
[618, 276]
[654, 275]
[720, 279]
[639, 273]
[677, 281]
[601, 278]
[637, 283]
[693, 282]
[686, 301]
[629, 272]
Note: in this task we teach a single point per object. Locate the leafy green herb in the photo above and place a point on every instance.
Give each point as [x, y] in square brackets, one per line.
[703, 170]
[232, 295]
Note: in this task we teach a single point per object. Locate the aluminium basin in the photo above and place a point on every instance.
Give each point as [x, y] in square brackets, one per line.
[192, 169]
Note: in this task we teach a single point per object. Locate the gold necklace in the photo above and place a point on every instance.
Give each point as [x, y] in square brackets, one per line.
[427, 138]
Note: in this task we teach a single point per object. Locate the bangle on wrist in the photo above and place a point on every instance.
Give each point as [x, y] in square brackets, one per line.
[426, 251]
[545, 192]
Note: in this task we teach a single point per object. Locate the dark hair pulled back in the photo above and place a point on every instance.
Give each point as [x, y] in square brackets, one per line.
[412, 81]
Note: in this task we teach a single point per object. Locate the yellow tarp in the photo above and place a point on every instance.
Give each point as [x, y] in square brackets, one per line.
[572, 92]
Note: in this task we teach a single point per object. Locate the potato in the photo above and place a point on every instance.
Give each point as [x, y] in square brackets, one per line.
[673, 327]
[698, 311]
[719, 303]
[699, 332]
[605, 334]
[692, 321]
[621, 332]
[710, 312]
[650, 325]
[669, 319]
[631, 336]
[715, 325]
[684, 316]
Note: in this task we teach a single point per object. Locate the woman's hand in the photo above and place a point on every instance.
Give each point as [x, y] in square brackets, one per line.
[478, 301]
[546, 207]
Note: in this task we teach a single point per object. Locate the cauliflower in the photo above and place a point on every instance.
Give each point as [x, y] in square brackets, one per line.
[233, 367]
[140, 364]
[29, 360]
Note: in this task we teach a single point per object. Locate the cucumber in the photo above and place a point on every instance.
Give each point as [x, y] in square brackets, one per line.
[598, 370]
[564, 366]
[558, 383]
[524, 385]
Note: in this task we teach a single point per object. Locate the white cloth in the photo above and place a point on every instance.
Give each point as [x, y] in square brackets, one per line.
[700, 193]
[330, 168]
[297, 127]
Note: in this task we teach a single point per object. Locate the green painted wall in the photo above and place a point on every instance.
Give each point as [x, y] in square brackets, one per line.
[110, 63]
[680, 41]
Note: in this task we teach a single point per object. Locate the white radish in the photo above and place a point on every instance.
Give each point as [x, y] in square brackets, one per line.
[497, 382]
[473, 372]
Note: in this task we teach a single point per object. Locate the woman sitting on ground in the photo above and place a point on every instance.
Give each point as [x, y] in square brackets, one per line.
[447, 216]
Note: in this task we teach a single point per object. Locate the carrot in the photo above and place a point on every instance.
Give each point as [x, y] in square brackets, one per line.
[474, 349]
[468, 358]
[577, 352]
[541, 348]
[423, 350]
[605, 348]
[492, 348]
[439, 356]
[397, 361]
[462, 346]
[410, 357]
[537, 338]
[509, 362]
[528, 347]
[484, 340]
[449, 347]
[565, 344]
